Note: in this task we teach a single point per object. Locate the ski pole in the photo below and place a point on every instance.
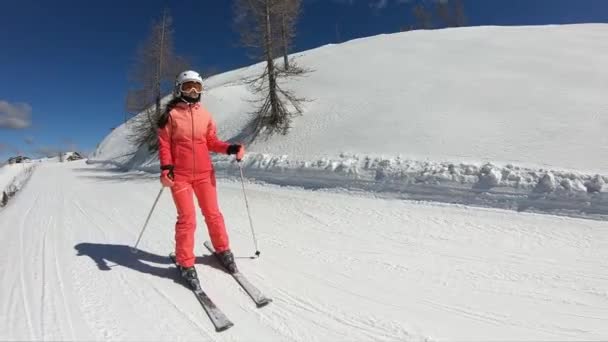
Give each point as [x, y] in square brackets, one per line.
[134, 248]
[255, 241]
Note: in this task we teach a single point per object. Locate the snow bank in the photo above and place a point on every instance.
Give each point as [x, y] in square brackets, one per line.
[403, 172]
[10, 171]
[490, 185]
[13, 178]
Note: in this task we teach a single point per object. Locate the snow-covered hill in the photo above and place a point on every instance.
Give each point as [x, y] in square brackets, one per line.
[444, 112]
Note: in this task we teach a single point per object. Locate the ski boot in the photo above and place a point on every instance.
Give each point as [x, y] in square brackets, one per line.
[190, 276]
[226, 258]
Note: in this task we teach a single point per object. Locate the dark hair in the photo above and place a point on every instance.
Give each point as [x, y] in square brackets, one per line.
[164, 118]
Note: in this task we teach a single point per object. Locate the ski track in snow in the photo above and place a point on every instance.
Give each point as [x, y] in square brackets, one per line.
[339, 266]
[26, 306]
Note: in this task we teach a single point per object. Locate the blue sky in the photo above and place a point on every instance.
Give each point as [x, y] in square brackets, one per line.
[64, 64]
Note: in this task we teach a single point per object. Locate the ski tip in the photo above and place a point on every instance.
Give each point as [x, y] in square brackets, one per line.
[263, 303]
[224, 327]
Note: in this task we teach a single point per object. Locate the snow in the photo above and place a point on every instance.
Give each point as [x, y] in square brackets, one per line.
[8, 172]
[339, 266]
[492, 108]
[14, 176]
[410, 202]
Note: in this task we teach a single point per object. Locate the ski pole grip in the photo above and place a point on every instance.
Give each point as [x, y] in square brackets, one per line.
[170, 168]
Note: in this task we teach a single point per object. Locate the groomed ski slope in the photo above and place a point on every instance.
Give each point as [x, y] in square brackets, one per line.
[339, 266]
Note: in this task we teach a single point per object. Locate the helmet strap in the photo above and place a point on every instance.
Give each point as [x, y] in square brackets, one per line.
[189, 99]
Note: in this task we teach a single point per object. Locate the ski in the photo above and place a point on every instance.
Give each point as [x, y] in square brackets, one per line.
[217, 317]
[256, 295]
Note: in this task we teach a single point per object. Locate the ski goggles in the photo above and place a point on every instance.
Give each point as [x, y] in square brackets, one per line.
[191, 85]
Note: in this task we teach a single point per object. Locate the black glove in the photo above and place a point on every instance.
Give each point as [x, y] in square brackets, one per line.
[170, 173]
[233, 149]
[236, 149]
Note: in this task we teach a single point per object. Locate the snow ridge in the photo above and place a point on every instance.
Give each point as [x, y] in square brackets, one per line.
[490, 185]
[404, 171]
[503, 186]
[16, 184]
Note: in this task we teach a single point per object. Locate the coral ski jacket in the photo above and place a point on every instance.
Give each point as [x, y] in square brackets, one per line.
[187, 140]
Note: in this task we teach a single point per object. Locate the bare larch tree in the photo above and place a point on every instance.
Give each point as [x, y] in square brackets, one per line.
[459, 13]
[288, 13]
[444, 13]
[260, 23]
[153, 73]
[451, 13]
[424, 17]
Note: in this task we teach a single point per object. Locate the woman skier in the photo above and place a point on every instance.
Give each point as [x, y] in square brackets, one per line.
[186, 136]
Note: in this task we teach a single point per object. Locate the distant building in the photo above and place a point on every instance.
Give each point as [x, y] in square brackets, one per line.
[74, 156]
[18, 160]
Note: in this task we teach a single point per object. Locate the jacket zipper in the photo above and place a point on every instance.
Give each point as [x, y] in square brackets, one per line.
[193, 154]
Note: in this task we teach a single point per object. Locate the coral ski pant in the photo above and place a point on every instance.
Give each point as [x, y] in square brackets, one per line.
[205, 191]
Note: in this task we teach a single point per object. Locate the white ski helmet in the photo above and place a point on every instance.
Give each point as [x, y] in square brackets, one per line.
[186, 76]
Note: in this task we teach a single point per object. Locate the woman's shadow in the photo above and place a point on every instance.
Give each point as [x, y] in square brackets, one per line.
[107, 256]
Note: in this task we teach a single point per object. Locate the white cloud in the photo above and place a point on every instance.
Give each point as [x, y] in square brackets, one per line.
[15, 116]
